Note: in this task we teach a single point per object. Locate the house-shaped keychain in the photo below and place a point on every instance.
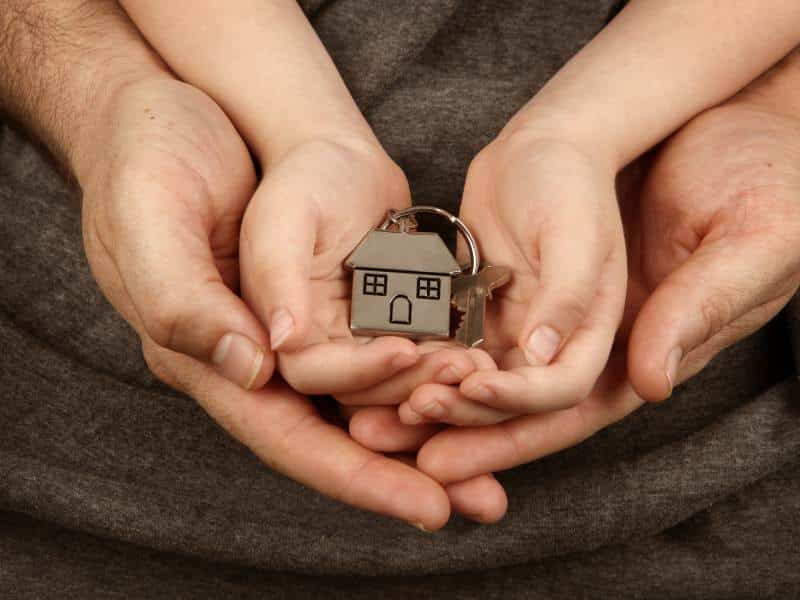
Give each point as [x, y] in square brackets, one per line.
[402, 282]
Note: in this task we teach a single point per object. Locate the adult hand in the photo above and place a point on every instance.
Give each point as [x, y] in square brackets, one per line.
[713, 231]
[718, 234]
[165, 183]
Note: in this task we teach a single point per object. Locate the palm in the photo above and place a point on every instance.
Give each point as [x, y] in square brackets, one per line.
[509, 305]
[729, 177]
[358, 194]
[178, 159]
[495, 214]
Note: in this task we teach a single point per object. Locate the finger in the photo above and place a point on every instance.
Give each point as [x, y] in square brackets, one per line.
[447, 366]
[346, 366]
[379, 428]
[717, 285]
[569, 246]
[480, 499]
[278, 238]
[570, 378]
[436, 403]
[457, 454]
[284, 430]
[163, 258]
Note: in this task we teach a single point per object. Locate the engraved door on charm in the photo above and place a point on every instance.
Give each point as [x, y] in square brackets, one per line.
[400, 310]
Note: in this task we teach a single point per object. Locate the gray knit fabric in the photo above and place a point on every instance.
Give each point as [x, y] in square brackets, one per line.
[112, 485]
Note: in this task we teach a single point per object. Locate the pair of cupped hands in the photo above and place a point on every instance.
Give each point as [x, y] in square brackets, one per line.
[623, 286]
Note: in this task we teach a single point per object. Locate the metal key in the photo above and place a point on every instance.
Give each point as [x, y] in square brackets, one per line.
[469, 297]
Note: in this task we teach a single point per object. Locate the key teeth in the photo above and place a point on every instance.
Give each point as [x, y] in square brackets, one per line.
[460, 315]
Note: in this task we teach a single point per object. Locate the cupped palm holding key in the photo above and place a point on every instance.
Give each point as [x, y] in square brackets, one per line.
[540, 199]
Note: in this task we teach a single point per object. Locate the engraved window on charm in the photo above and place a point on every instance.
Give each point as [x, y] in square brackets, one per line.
[428, 288]
[374, 284]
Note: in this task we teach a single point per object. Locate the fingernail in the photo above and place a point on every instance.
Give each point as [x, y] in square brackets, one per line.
[542, 346]
[238, 359]
[403, 361]
[673, 361]
[449, 375]
[421, 527]
[281, 326]
[412, 418]
[434, 410]
[480, 393]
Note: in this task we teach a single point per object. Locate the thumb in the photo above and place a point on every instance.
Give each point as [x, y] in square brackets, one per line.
[277, 248]
[555, 207]
[178, 298]
[703, 302]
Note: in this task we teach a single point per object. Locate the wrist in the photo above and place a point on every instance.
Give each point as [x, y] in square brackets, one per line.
[85, 144]
[58, 63]
[534, 130]
[273, 141]
[777, 90]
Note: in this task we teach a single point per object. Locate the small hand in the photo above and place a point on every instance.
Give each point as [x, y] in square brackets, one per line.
[714, 247]
[549, 212]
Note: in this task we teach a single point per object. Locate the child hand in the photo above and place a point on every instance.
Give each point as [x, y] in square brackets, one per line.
[548, 210]
[309, 213]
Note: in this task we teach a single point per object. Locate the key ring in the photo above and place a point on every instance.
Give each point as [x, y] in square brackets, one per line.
[396, 217]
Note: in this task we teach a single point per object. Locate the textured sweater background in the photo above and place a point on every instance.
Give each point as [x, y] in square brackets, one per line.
[113, 485]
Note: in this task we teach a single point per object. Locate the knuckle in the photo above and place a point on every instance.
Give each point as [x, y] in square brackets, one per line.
[573, 306]
[587, 424]
[156, 361]
[715, 313]
[154, 185]
[481, 164]
[581, 390]
[162, 320]
[396, 182]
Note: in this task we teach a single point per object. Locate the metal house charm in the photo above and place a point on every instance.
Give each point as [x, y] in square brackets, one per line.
[407, 282]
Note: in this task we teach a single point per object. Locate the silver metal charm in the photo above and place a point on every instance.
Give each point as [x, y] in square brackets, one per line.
[407, 282]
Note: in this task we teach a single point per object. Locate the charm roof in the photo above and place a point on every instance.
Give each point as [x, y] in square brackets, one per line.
[423, 252]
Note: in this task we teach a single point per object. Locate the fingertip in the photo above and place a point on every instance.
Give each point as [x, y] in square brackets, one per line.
[481, 499]
[400, 353]
[380, 429]
[433, 506]
[653, 359]
[476, 388]
[541, 345]
[287, 331]
[243, 361]
[371, 426]
[403, 360]
[440, 510]
[435, 460]
[649, 376]
[455, 366]
[362, 428]
[482, 360]
[262, 373]
[408, 416]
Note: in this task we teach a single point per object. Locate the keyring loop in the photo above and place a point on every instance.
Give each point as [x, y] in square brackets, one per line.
[395, 216]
